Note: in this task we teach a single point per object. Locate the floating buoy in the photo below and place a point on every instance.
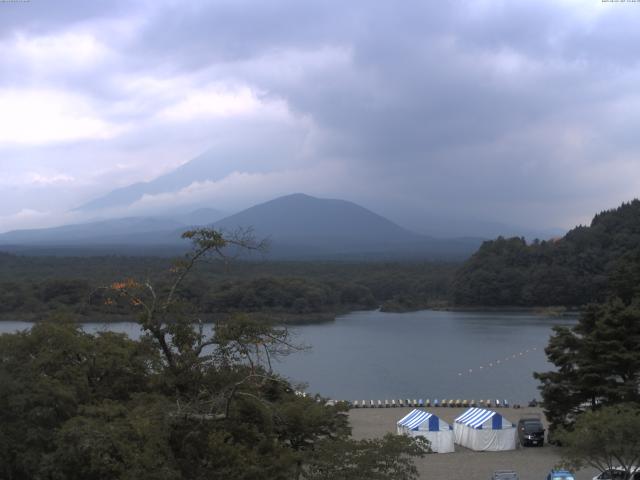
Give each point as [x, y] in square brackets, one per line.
[498, 362]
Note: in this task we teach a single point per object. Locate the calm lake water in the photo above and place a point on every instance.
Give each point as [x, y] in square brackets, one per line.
[426, 354]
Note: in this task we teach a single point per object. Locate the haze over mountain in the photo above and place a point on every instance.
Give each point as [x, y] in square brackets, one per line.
[201, 216]
[202, 168]
[115, 231]
[298, 226]
[157, 195]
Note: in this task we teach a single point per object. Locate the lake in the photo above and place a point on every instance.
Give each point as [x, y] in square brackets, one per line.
[425, 354]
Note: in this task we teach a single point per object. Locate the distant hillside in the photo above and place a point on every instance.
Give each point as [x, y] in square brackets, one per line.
[580, 268]
[299, 217]
[120, 230]
[201, 216]
[298, 227]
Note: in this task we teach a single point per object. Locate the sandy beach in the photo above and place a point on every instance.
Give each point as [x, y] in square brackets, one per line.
[531, 463]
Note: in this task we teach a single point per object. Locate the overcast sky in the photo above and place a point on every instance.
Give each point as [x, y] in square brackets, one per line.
[523, 112]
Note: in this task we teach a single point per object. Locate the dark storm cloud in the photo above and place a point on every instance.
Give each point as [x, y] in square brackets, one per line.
[491, 109]
[196, 34]
[44, 16]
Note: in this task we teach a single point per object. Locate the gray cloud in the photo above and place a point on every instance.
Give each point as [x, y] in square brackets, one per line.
[38, 16]
[509, 111]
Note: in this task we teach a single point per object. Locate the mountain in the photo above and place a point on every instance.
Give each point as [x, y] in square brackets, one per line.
[200, 216]
[582, 267]
[300, 217]
[208, 166]
[298, 226]
[301, 225]
[114, 231]
[159, 230]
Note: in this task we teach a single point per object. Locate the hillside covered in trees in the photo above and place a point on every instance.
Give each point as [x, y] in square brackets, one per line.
[580, 268]
[34, 288]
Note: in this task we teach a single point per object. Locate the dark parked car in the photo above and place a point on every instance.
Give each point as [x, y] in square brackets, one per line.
[505, 475]
[530, 432]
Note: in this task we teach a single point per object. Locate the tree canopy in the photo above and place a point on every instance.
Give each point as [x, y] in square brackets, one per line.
[597, 362]
[35, 287]
[604, 439]
[576, 270]
[178, 403]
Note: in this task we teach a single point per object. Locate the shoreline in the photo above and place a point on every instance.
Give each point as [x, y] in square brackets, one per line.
[287, 318]
[552, 311]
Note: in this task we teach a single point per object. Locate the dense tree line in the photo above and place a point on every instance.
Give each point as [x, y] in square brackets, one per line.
[35, 287]
[578, 269]
[592, 396]
[598, 360]
[177, 404]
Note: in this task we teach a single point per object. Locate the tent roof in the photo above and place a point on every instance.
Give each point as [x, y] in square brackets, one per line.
[415, 418]
[476, 417]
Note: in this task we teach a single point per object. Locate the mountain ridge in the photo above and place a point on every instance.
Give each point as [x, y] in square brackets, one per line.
[575, 270]
[298, 225]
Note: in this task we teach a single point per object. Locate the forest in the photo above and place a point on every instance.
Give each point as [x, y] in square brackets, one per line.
[36, 287]
[581, 268]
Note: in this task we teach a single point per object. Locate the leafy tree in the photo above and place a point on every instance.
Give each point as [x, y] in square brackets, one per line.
[12, 296]
[115, 440]
[604, 439]
[47, 375]
[366, 459]
[597, 362]
[179, 403]
[67, 292]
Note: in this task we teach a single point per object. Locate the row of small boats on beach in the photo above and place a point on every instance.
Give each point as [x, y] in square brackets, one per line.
[497, 403]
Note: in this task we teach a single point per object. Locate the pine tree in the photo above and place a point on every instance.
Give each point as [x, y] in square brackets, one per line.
[598, 362]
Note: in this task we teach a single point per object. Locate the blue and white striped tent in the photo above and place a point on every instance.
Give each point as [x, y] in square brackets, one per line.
[480, 429]
[426, 424]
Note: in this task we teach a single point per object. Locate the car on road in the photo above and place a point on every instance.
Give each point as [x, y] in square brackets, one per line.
[531, 432]
[560, 475]
[505, 475]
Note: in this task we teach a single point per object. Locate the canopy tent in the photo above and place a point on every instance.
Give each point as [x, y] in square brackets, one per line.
[484, 430]
[425, 424]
